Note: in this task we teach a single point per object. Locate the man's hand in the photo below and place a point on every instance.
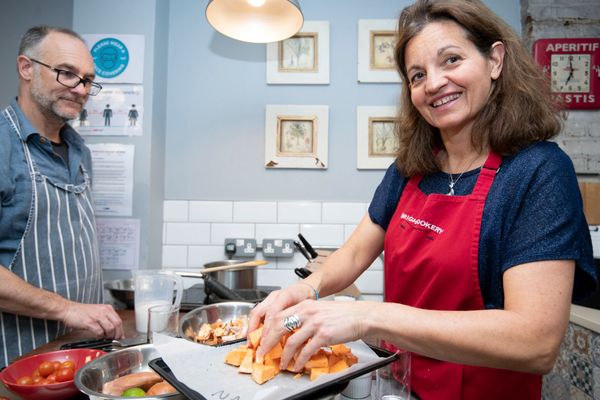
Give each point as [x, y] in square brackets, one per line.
[99, 319]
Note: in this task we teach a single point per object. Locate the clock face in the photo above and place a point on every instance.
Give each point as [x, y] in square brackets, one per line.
[570, 73]
[573, 66]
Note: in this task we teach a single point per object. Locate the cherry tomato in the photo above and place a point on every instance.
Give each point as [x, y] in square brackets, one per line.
[46, 368]
[68, 364]
[51, 378]
[56, 365]
[64, 374]
[35, 373]
[25, 380]
[37, 379]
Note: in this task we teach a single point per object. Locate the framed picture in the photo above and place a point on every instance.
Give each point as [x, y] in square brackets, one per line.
[376, 140]
[296, 136]
[376, 42]
[301, 59]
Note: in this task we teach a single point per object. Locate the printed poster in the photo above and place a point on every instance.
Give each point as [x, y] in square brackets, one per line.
[119, 242]
[112, 179]
[117, 58]
[118, 110]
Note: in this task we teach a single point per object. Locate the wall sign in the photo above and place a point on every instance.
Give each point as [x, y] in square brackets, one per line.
[573, 65]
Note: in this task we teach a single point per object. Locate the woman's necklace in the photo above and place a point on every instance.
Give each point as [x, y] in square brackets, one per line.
[452, 182]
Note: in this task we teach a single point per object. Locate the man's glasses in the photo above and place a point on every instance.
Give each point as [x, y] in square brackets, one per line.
[71, 80]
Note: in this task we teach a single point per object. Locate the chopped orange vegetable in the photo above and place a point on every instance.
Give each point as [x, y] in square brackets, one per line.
[340, 365]
[318, 360]
[246, 365]
[339, 349]
[262, 373]
[329, 360]
[316, 372]
[255, 337]
[235, 356]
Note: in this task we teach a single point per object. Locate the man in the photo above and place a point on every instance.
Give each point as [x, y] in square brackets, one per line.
[50, 278]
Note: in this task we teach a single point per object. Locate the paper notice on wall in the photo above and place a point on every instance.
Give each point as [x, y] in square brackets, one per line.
[117, 58]
[112, 180]
[118, 110]
[119, 241]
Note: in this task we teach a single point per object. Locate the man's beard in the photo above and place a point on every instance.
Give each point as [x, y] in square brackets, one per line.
[48, 105]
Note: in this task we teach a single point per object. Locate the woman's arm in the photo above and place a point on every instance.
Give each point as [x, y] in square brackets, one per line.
[346, 264]
[525, 336]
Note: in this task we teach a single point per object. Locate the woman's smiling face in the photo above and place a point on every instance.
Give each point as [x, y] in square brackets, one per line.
[450, 80]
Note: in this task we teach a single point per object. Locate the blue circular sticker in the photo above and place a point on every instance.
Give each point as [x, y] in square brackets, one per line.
[110, 57]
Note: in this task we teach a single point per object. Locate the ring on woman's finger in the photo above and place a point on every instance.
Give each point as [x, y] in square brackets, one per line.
[292, 322]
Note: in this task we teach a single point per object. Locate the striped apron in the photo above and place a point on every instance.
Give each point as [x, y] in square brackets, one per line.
[58, 252]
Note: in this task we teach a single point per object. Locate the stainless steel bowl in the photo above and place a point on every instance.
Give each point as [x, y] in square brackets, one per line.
[193, 320]
[122, 290]
[92, 376]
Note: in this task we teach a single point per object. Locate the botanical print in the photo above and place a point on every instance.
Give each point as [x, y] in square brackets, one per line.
[296, 136]
[299, 53]
[382, 140]
[382, 49]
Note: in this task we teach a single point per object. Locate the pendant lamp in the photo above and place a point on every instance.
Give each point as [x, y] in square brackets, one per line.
[255, 21]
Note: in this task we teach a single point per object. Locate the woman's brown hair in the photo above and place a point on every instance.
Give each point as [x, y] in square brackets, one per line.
[520, 109]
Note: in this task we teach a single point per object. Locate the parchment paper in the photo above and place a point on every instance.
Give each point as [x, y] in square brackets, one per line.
[203, 369]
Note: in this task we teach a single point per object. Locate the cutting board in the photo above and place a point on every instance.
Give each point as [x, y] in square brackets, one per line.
[590, 192]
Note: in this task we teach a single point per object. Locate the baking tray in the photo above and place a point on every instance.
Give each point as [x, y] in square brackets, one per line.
[314, 392]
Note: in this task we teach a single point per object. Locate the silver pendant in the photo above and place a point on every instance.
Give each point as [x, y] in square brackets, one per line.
[451, 186]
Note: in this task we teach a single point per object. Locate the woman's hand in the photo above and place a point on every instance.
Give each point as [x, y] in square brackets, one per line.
[277, 301]
[323, 322]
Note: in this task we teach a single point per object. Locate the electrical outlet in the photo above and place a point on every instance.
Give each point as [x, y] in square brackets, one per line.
[243, 247]
[278, 247]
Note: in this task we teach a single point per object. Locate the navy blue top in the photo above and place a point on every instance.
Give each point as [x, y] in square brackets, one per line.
[15, 183]
[533, 212]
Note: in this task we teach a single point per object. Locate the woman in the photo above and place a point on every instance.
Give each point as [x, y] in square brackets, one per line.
[480, 218]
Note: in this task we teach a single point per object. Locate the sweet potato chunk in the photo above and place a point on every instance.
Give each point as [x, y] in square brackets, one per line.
[316, 372]
[235, 356]
[262, 373]
[328, 360]
[246, 365]
[255, 337]
[339, 349]
[317, 360]
[338, 366]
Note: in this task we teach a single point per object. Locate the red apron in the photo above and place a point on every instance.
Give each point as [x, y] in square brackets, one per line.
[431, 262]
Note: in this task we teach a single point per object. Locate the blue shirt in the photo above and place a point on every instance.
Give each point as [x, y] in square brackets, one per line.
[533, 212]
[15, 182]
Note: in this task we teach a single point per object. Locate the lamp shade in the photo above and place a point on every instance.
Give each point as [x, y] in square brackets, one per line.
[255, 21]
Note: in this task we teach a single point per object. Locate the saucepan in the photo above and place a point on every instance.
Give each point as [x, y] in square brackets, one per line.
[224, 278]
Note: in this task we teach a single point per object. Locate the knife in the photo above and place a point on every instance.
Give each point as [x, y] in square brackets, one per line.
[302, 250]
[101, 343]
[309, 248]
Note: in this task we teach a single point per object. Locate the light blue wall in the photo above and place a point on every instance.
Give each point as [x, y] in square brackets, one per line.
[216, 100]
[16, 16]
[149, 18]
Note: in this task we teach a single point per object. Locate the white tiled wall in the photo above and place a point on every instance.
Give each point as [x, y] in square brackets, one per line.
[194, 234]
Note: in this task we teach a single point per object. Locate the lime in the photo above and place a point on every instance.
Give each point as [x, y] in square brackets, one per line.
[134, 392]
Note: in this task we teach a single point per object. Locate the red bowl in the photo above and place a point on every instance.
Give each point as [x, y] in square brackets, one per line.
[53, 391]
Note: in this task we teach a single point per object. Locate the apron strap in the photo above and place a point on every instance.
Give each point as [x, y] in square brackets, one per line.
[487, 174]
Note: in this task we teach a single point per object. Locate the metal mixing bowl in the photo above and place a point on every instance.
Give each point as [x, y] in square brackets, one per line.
[193, 320]
[122, 290]
[92, 376]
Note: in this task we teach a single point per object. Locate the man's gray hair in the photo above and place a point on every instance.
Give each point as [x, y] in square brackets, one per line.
[32, 38]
